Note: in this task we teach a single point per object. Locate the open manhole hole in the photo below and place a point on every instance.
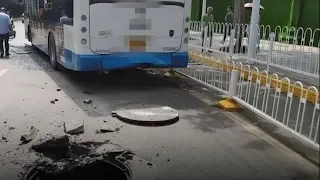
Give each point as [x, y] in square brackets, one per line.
[65, 160]
[97, 170]
[147, 114]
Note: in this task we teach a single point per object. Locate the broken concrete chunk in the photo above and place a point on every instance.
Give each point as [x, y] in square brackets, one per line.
[29, 137]
[87, 101]
[51, 143]
[52, 101]
[73, 127]
[80, 149]
[113, 113]
[58, 89]
[106, 128]
[109, 148]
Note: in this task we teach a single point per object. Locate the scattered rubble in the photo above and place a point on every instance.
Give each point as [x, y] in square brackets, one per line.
[106, 128]
[73, 127]
[52, 101]
[58, 89]
[51, 143]
[82, 168]
[86, 160]
[87, 101]
[78, 149]
[113, 113]
[109, 148]
[29, 137]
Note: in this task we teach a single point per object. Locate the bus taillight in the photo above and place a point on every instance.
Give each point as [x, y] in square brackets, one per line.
[83, 29]
[83, 17]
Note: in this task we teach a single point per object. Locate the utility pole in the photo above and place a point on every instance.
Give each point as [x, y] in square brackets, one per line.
[204, 6]
[203, 12]
[253, 36]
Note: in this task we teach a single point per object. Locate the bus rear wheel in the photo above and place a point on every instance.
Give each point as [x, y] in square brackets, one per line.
[53, 54]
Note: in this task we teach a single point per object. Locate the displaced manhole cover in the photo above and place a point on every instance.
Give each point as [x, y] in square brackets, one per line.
[143, 114]
[97, 170]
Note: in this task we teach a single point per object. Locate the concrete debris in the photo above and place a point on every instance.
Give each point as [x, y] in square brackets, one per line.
[52, 101]
[87, 101]
[29, 137]
[51, 143]
[56, 99]
[58, 89]
[12, 128]
[73, 127]
[107, 148]
[106, 128]
[4, 138]
[113, 114]
[78, 149]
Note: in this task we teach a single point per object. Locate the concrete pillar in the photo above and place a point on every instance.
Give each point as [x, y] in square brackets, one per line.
[253, 36]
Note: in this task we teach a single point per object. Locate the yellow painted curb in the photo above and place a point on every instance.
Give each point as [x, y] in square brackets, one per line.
[229, 104]
[171, 74]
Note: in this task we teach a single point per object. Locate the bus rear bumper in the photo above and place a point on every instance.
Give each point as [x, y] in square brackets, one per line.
[125, 60]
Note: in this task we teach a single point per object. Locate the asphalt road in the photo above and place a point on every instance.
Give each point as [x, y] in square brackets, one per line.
[252, 93]
[205, 144]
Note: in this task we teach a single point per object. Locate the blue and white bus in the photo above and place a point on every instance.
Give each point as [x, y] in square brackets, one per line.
[102, 35]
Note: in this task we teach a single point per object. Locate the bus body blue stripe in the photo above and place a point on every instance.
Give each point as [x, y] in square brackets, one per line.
[80, 62]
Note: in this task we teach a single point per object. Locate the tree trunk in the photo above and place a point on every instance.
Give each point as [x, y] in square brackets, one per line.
[239, 17]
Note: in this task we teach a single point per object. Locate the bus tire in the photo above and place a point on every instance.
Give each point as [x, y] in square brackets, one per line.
[53, 53]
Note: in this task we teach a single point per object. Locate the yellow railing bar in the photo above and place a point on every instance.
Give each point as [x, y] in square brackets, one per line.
[274, 83]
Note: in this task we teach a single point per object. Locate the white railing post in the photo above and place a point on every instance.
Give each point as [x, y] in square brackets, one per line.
[272, 38]
[205, 38]
[231, 43]
[233, 83]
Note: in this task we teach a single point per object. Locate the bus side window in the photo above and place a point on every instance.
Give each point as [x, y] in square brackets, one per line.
[67, 6]
[66, 9]
[48, 4]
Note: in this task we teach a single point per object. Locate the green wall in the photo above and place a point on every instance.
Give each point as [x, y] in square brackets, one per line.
[305, 13]
[309, 17]
[196, 10]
